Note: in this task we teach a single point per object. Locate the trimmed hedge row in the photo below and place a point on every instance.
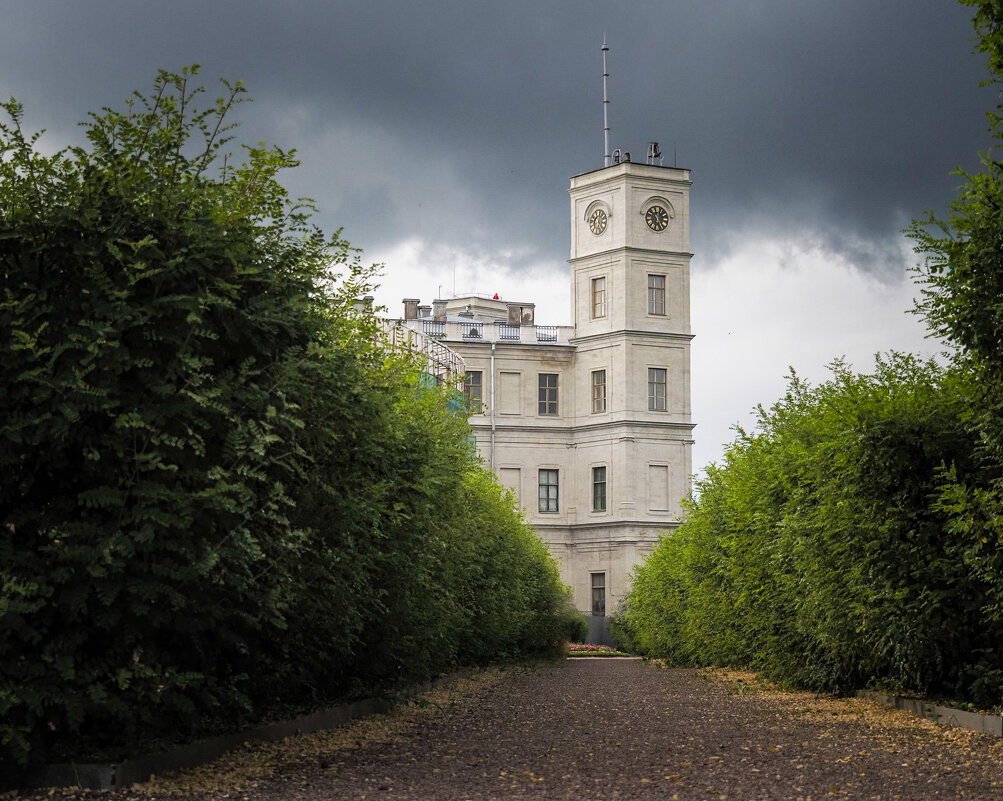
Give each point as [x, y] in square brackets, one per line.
[220, 496]
[856, 537]
[822, 552]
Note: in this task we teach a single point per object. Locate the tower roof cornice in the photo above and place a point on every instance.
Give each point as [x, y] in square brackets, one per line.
[633, 169]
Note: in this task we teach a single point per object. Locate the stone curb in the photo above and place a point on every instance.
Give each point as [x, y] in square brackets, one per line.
[949, 716]
[111, 776]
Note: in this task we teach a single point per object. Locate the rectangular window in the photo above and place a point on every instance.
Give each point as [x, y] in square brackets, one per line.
[599, 594]
[548, 393]
[598, 489]
[598, 391]
[656, 389]
[598, 297]
[473, 391]
[656, 294]
[548, 491]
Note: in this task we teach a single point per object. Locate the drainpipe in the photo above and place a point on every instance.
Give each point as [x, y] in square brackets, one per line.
[492, 407]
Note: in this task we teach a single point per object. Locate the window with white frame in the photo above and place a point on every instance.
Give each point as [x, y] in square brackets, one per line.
[473, 391]
[599, 594]
[656, 389]
[548, 393]
[656, 294]
[599, 489]
[598, 297]
[598, 391]
[548, 490]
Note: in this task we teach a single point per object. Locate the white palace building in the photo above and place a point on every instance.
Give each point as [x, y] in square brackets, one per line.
[589, 424]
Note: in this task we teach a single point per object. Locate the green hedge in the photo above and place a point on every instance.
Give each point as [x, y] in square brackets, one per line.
[822, 553]
[856, 536]
[220, 496]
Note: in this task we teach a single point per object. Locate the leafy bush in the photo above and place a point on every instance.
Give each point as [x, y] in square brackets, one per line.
[856, 535]
[577, 627]
[220, 494]
[621, 630]
[962, 302]
[820, 553]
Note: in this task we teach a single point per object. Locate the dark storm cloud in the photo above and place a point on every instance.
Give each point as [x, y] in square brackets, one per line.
[462, 121]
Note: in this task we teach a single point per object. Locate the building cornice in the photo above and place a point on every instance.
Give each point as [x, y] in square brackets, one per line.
[624, 333]
[631, 249]
[631, 427]
[595, 524]
[615, 172]
[533, 349]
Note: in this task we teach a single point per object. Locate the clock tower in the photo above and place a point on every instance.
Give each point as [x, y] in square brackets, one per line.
[628, 222]
[630, 303]
[589, 424]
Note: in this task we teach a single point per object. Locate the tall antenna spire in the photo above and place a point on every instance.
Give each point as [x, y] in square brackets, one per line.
[607, 158]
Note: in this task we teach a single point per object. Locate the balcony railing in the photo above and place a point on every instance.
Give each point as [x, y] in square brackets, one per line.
[477, 331]
[472, 330]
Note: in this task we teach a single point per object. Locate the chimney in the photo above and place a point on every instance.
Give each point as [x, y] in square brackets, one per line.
[521, 313]
[364, 305]
[411, 308]
[424, 310]
[439, 311]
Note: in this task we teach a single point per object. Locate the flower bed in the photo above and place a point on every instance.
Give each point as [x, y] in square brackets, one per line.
[582, 649]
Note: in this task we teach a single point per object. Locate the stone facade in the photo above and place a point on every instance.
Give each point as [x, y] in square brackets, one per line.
[589, 425]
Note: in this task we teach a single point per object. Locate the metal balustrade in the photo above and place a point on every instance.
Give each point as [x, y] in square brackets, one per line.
[478, 331]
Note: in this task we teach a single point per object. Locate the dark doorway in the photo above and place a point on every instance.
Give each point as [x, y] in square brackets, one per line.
[599, 595]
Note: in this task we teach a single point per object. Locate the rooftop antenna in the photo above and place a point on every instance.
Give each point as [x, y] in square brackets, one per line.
[607, 158]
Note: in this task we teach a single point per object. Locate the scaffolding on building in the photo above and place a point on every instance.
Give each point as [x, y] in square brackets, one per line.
[442, 362]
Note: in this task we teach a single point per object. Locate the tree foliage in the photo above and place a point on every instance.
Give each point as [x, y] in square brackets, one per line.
[962, 279]
[220, 494]
[962, 275]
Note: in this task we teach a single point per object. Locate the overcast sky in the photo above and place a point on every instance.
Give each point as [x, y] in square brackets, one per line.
[441, 136]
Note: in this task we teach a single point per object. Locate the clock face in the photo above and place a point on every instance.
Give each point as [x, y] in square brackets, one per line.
[597, 222]
[657, 218]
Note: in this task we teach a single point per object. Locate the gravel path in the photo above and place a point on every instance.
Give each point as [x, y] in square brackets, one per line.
[609, 728]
